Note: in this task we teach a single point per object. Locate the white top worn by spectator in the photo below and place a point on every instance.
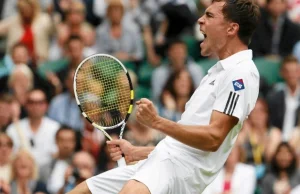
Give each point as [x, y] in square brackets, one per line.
[243, 181]
[291, 103]
[41, 144]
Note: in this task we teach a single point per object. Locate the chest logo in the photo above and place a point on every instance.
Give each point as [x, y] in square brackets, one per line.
[238, 85]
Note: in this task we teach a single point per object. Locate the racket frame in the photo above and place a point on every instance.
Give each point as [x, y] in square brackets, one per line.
[123, 122]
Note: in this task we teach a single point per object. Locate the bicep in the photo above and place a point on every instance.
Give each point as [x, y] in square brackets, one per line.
[222, 124]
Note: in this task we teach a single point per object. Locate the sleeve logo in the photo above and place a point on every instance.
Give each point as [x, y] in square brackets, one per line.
[238, 85]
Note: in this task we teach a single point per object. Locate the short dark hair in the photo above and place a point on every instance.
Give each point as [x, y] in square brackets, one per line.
[6, 98]
[244, 12]
[64, 128]
[73, 38]
[288, 59]
[18, 44]
[174, 41]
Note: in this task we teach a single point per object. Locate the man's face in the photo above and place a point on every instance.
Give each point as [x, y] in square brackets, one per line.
[290, 73]
[76, 49]
[36, 104]
[177, 54]
[20, 55]
[277, 7]
[214, 27]
[115, 14]
[66, 143]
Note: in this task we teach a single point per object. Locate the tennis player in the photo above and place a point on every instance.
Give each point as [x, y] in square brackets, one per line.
[197, 146]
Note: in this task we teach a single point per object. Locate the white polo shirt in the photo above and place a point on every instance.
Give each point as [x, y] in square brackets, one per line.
[231, 87]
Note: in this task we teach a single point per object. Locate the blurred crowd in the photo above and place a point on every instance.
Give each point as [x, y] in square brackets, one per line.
[46, 146]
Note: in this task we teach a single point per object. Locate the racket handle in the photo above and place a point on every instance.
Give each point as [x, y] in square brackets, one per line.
[121, 162]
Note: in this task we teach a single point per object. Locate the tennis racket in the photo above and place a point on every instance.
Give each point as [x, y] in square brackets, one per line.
[104, 93]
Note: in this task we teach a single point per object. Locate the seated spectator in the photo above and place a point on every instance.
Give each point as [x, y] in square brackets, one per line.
[53, 172]
[36, 132]
[74, 25]
[63, 107]
[25, 175]
[284, 104]
[283, 175]
[83, 167]
[177, 60]
[30, 27]
[5, 111]
[20, 81]
[6, 145]
[255, 137]
[235, 177]
[20, 56]
[177, 91]
[276, 34]
[115, 38]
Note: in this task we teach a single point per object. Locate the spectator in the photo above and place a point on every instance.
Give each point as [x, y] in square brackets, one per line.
[35, 132]
[284, 104]
[20, 56]
[74, 25]
[6, 145]
[283, 175]
[53, 172]
[276, 34]
[25, 175]
[5, 111]
[20, 81]
[235, 177]
[177, 91]
[64, 109]
[178, 60]
[83, 167]
[30, 27]
[255, 139]
[118, 39]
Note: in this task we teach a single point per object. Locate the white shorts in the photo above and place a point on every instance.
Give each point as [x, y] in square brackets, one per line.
[162, 173]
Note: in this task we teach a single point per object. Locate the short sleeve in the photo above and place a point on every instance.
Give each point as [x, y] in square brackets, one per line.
[232, 96]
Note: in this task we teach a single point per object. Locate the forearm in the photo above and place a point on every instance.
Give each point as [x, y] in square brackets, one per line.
[200, 137]
[141, 153]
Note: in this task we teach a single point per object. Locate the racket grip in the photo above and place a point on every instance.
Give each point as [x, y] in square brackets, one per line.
[121, 162]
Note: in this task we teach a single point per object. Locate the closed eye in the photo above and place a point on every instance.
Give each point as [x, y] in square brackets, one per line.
[209, 14]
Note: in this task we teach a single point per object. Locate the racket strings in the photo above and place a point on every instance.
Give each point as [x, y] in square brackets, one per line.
[103, 90]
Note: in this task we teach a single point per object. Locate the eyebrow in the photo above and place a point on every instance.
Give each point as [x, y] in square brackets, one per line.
[208, 13]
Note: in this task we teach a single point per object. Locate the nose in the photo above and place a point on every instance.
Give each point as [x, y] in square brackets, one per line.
[201, 20]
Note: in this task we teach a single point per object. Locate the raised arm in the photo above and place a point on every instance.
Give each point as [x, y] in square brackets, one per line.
[206, 138]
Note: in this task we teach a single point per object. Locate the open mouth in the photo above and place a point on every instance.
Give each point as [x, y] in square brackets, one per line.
[204, 34]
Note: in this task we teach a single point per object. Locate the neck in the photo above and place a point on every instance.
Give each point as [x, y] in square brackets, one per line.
[35, 123]
[283, 174]
[62, 157]
[76, 61]
[292, 89]
[115, 24]
[232, 48]
[181, 101]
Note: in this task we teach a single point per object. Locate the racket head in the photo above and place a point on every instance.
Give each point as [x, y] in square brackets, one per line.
[103, 91]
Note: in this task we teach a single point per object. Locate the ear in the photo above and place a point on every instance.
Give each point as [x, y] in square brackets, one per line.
[233, 29]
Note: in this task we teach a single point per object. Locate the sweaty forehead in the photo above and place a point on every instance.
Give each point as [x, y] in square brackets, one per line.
[216, 8]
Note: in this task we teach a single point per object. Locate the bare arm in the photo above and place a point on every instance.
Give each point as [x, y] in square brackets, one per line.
[207, 138]
[132, 153]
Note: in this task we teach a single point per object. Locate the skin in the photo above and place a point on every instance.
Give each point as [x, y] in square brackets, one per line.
[222, 40]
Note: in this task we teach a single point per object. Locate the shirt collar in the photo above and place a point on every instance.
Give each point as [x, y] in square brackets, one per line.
[236, 58]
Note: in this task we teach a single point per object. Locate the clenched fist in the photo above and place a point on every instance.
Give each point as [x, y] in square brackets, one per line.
[146, 113]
